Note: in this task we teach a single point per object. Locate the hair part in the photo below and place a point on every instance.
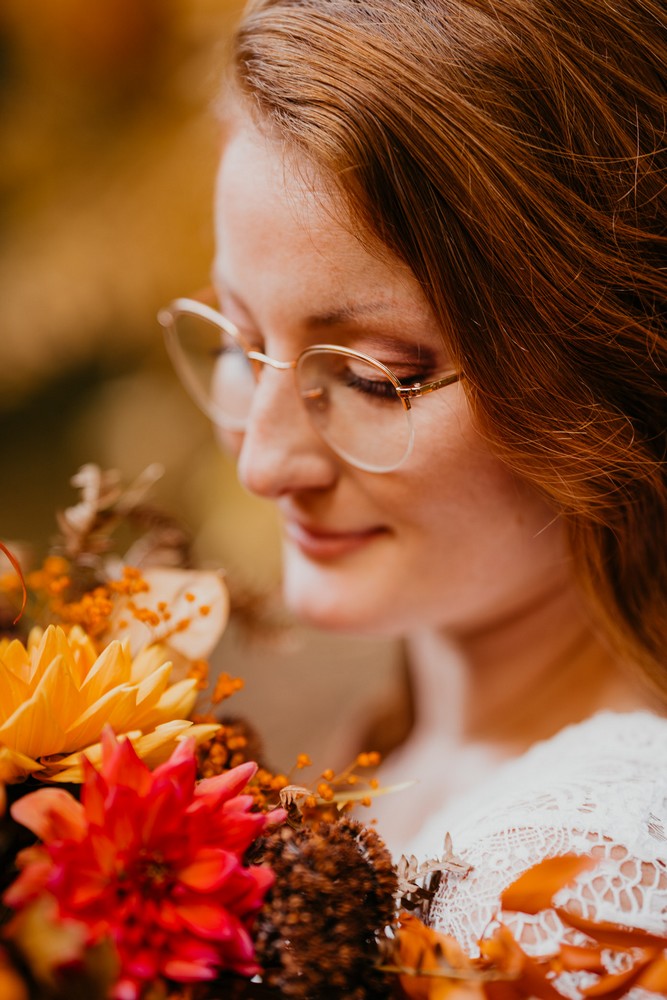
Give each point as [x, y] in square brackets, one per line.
[514, 155]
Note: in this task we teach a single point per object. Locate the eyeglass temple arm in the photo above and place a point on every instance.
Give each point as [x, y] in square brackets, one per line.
[412, 391]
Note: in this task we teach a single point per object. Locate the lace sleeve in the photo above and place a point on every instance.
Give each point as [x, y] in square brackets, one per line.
[599, 787]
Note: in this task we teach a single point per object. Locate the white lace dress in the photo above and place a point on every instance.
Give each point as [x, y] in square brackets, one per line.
[599, 786]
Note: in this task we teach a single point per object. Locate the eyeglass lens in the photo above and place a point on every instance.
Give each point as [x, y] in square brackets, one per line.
[351, 402]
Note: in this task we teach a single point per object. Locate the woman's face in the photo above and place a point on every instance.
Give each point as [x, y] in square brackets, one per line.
[451, 539]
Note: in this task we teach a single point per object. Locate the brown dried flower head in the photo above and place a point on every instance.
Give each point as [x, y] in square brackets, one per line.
[319, 933]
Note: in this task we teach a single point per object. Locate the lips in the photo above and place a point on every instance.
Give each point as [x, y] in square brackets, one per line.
[316, 543]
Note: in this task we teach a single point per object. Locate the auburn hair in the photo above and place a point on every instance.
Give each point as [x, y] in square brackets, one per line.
[513, 153]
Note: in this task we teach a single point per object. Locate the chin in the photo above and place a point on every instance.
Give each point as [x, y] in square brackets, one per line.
[338, 602]
[330, 612]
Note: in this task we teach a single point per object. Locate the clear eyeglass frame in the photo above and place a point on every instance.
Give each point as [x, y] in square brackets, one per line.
[381, 438]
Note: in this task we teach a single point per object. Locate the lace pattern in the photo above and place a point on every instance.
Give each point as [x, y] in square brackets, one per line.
[598, 787]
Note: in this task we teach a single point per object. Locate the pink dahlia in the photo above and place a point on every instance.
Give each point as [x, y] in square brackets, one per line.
[153, 860]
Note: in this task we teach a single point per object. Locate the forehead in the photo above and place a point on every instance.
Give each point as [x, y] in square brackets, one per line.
[283, 231]
[260, 180]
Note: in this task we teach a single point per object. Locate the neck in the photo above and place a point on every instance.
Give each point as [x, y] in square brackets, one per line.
[519, 679]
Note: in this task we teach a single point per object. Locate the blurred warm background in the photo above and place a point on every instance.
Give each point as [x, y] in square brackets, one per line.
[108, 154]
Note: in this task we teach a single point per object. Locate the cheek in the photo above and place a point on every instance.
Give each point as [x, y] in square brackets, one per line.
[472, 515]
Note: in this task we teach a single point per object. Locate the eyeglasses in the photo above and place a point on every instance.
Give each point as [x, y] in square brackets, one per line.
[357, 405]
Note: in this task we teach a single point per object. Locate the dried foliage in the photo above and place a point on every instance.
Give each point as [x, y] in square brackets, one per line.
[419, 881]
[318, 934]
[87, 528]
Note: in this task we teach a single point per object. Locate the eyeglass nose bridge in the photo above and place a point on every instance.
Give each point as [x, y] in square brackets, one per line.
[264, 359]
[403, 393]
[283, 366]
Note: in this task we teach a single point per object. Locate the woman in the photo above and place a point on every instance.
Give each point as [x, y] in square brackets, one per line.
[464, 202]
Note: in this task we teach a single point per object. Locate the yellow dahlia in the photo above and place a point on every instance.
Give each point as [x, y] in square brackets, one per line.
[57, 694]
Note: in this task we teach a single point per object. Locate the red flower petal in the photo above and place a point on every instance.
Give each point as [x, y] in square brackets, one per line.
[93, 793]
[162, 812]
[208, 869]
[121, 765]
[187, 972]
[51, 813]
[126, 989]
[103, 850]
[244, 892]
[235, 830]
[226, 785]
[181, 768]
[32, 880]
[122, 807]
[142, 964]
[206, 918]
[239, 953]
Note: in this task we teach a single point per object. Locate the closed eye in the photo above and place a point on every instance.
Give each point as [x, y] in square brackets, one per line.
[379, 387]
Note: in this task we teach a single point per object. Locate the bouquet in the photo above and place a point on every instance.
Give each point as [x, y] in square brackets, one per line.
[149, 853]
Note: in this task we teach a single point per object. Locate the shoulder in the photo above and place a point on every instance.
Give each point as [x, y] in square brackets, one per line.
[582, 770]
[598, 787]
[589, 772]
[632, 736]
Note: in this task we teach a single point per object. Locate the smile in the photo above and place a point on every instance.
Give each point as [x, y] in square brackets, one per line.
[318, 544]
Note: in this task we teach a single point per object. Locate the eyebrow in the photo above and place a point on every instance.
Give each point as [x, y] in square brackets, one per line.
[329, 317]
[348, 313]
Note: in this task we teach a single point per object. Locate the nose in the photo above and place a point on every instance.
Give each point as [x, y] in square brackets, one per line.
[280, 452]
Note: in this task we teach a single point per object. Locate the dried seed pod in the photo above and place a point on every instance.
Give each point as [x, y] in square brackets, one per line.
[318, 934]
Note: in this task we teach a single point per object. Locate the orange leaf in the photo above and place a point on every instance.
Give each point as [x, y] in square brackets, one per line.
[617, 984]
[654, 976]
[420, 948]
[578, 959]
[612, 935]
[500, 990]
[534, 890]
[535, 983]
[503, 952]
[529, 976]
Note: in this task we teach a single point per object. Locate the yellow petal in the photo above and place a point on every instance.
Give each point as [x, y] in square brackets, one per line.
[61, 691]
[15, 765]
[152, 688]
[202, 731]
[83, 652]
[176, 703]
[15, 659]
[52, 645]
[35, 637]
[111, 669]
[116, 708]
[166, 733]
[70, 768]
[13, 691]
[147, 660]
[154, 748]
[34, 728]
